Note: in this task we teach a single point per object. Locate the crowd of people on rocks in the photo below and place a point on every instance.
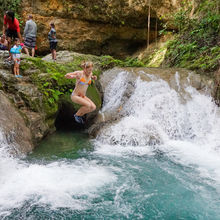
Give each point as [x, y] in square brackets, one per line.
[12, 40]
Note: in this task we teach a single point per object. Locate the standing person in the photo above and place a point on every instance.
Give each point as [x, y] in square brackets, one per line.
[30, 34]
[53, 41]
[3, 43]
[11, 27]
[83, 80]
[16, 56]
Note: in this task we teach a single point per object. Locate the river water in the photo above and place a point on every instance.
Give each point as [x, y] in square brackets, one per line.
[160, 160]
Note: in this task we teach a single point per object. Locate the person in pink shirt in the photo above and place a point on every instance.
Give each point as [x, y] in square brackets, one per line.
[11, 27]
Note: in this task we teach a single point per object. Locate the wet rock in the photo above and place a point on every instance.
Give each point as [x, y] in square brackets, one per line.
[14, 127]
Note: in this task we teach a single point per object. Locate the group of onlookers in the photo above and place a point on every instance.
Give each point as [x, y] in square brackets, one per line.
[11, 33]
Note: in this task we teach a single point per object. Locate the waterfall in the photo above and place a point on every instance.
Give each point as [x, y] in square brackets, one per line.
[156, 155]
[182, 123]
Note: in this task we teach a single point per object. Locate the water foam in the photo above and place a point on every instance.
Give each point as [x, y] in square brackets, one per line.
[155, 118]
[57, 184]
[185, 126]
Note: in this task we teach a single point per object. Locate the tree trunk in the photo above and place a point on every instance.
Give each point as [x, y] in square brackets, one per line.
[148, 26]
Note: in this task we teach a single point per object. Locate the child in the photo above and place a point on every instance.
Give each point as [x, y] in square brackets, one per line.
[83, 80]
[3, 43]
[53, 41]
[16, 56]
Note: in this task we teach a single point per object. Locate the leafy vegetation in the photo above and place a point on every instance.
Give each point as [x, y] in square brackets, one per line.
[9, 5]
[197, 44]
[50, 80]
[13, 5]
[107, 62]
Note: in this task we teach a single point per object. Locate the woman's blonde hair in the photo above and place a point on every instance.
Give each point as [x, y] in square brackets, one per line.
[87, 64]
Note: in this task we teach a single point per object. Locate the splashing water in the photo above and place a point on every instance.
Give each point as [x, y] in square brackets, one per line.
[160, 159]
[58, 183]
[184, 126]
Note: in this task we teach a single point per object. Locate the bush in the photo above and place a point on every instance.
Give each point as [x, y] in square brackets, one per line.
[197, 43]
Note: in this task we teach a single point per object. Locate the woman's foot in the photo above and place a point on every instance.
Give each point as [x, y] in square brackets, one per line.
[79, 119]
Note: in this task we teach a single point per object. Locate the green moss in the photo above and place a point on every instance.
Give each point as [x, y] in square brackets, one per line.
[189, 55]
[49, 78]
[195, 46]
[156, 58]
[81, 6]
[109, 62]
[94, 95]
[53, 86]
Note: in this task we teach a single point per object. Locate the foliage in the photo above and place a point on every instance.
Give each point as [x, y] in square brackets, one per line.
[13, 5]
[110, 62]
[50, 80]
[10, 5]
[197, 43]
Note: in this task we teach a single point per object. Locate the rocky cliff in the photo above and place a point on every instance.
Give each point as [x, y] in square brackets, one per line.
[114, 27]
[39, 103]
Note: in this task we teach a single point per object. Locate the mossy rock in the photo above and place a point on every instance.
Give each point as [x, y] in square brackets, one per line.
[54, 88]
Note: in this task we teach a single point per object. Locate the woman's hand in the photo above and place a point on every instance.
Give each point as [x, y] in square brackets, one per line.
[72, 75]
[69, 76]
[94, 77]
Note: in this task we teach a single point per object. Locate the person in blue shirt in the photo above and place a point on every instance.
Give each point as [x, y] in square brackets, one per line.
[16, 56]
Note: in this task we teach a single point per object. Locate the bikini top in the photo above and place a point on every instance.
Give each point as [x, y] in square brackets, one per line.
[82, 81]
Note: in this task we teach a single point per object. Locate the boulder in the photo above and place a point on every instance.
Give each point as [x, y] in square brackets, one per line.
[13, 127]
[41, 98]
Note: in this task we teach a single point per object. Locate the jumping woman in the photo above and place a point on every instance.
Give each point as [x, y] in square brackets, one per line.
[83, 80]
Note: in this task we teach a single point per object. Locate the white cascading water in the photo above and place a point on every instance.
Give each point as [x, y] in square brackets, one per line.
[52, 184]
[183, 124]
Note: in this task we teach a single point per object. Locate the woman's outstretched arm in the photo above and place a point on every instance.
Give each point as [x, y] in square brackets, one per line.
[73, 75]
[94, 77]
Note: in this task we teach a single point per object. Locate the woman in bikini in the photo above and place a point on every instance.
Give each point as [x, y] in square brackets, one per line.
[83, 80]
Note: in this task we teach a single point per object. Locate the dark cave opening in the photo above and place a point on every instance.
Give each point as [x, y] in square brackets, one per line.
[65, 118]
[121, 49]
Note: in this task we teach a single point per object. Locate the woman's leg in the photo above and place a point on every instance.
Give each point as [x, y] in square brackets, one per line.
[85, 105]
[9, 43]
[9, 47]
[92, 106]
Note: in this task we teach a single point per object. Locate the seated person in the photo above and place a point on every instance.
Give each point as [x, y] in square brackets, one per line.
[3, 43]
